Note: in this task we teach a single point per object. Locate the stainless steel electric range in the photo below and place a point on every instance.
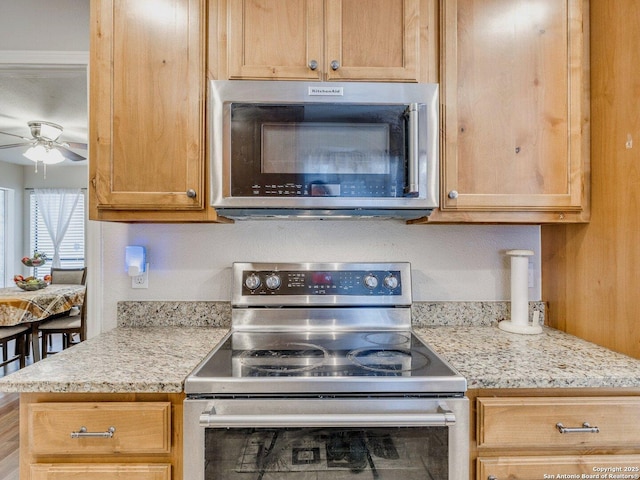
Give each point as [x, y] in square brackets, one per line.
[321, 377]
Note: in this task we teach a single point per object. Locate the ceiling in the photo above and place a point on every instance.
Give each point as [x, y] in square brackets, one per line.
[55, 94]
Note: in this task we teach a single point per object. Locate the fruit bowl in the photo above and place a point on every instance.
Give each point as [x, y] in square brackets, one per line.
[35, 261]
[31, 285]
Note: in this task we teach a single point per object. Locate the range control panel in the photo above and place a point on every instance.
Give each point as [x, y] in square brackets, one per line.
[321, 283]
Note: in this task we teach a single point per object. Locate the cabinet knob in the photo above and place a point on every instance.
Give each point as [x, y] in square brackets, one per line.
[313, 64]
[191, 193]
[335, 64]
[453, 194]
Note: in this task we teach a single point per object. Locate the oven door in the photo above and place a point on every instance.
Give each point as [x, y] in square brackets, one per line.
[326, 438]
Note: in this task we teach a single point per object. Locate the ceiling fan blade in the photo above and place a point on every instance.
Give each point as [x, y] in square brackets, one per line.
[12, 145]
[19, 136]
[81, 146]
[74, 157]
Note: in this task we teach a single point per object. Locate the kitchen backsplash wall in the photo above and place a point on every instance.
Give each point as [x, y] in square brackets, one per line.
[192, 262]
[218, 314]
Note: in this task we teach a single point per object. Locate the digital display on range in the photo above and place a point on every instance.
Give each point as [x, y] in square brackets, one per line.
[362, 282]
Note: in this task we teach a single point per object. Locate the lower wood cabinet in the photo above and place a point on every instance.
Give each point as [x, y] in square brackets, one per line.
[557, 437]
[100, 436]
[99, 472]
[552, 468]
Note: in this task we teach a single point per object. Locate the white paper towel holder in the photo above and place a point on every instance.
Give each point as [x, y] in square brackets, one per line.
[519, 322]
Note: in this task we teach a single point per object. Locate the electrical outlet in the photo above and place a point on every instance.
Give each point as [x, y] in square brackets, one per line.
[142, 280]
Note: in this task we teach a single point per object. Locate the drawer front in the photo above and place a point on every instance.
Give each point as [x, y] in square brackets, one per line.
[532, 422]
[107, 471]
[138, 428]
[538, 468]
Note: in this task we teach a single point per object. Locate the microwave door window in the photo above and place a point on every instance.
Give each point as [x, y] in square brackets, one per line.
[318, 150]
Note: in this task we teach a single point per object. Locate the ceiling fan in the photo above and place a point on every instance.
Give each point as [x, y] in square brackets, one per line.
[44, 144]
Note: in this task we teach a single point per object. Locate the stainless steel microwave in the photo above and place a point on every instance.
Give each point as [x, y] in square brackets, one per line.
[313, 150]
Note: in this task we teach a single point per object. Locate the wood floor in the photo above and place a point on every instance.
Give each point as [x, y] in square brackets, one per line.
[10, 424]
[9, 436]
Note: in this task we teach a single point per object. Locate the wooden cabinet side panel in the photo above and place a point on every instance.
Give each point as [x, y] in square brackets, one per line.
[108, 471]
[601, 302]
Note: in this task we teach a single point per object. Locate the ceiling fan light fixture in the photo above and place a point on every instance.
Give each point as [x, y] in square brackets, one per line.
[39, 153]
[45, 130]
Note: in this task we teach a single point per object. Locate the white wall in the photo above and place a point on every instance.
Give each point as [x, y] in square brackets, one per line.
[192, 261]
[12, 177]
[53, 25]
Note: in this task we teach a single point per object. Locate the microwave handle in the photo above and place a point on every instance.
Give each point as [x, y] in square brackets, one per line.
[413, 165]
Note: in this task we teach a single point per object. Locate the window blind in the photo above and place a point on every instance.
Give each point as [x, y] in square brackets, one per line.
[72, 248]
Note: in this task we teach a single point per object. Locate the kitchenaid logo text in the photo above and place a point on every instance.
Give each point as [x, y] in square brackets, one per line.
[328, 91]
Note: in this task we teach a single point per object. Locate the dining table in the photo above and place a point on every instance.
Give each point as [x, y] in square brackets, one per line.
[19, 306]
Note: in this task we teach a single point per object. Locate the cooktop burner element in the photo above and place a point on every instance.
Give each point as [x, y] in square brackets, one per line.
[323, 329]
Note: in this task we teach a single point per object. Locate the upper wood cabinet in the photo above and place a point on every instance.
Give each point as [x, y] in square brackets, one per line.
[514, 111]
[147, 93]
[367, 40]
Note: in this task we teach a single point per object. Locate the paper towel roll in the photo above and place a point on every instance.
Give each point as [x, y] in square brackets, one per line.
[519, 322]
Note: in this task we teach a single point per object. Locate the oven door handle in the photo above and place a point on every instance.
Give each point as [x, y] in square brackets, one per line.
[440, 419]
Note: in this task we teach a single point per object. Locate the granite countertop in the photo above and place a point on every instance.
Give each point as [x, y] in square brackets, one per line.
[158, 359]
[122, 360]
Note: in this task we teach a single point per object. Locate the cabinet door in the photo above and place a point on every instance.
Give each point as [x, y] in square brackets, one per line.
[538, 468]
[147, 105]
[513, 105]
[106, 471]
[372, 40]
[136, 428]
[275, 39]
[537, 423]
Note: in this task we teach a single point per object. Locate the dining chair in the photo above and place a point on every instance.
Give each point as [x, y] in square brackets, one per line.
[69, 323]
[19, 334]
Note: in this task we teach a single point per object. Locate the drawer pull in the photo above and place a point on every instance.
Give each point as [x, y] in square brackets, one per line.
[82, 433]
[585, 428]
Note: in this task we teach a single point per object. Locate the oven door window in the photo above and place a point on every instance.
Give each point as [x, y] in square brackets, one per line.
[326, 453]
[318, 150]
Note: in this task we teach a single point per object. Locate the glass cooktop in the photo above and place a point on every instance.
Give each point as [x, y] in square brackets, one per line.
[326, 362]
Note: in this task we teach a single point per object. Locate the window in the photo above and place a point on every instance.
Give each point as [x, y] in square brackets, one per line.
[72, 246]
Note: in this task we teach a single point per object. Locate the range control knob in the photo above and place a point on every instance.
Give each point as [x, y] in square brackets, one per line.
[390, 281]
[273, 281]
[370, 281]
[252, 281]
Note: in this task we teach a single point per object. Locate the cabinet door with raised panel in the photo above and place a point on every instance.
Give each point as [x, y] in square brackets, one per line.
[147, 105]
[275, 39]
[374, 40]
[514, 106]
[570, 466]
[105, 471]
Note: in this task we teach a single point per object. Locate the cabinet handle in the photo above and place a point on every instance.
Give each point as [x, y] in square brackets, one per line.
[82, 433]
[492, 477]
[585, 428]
[191, 193]
[313, 64]
[335, 64]
[453, 194]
